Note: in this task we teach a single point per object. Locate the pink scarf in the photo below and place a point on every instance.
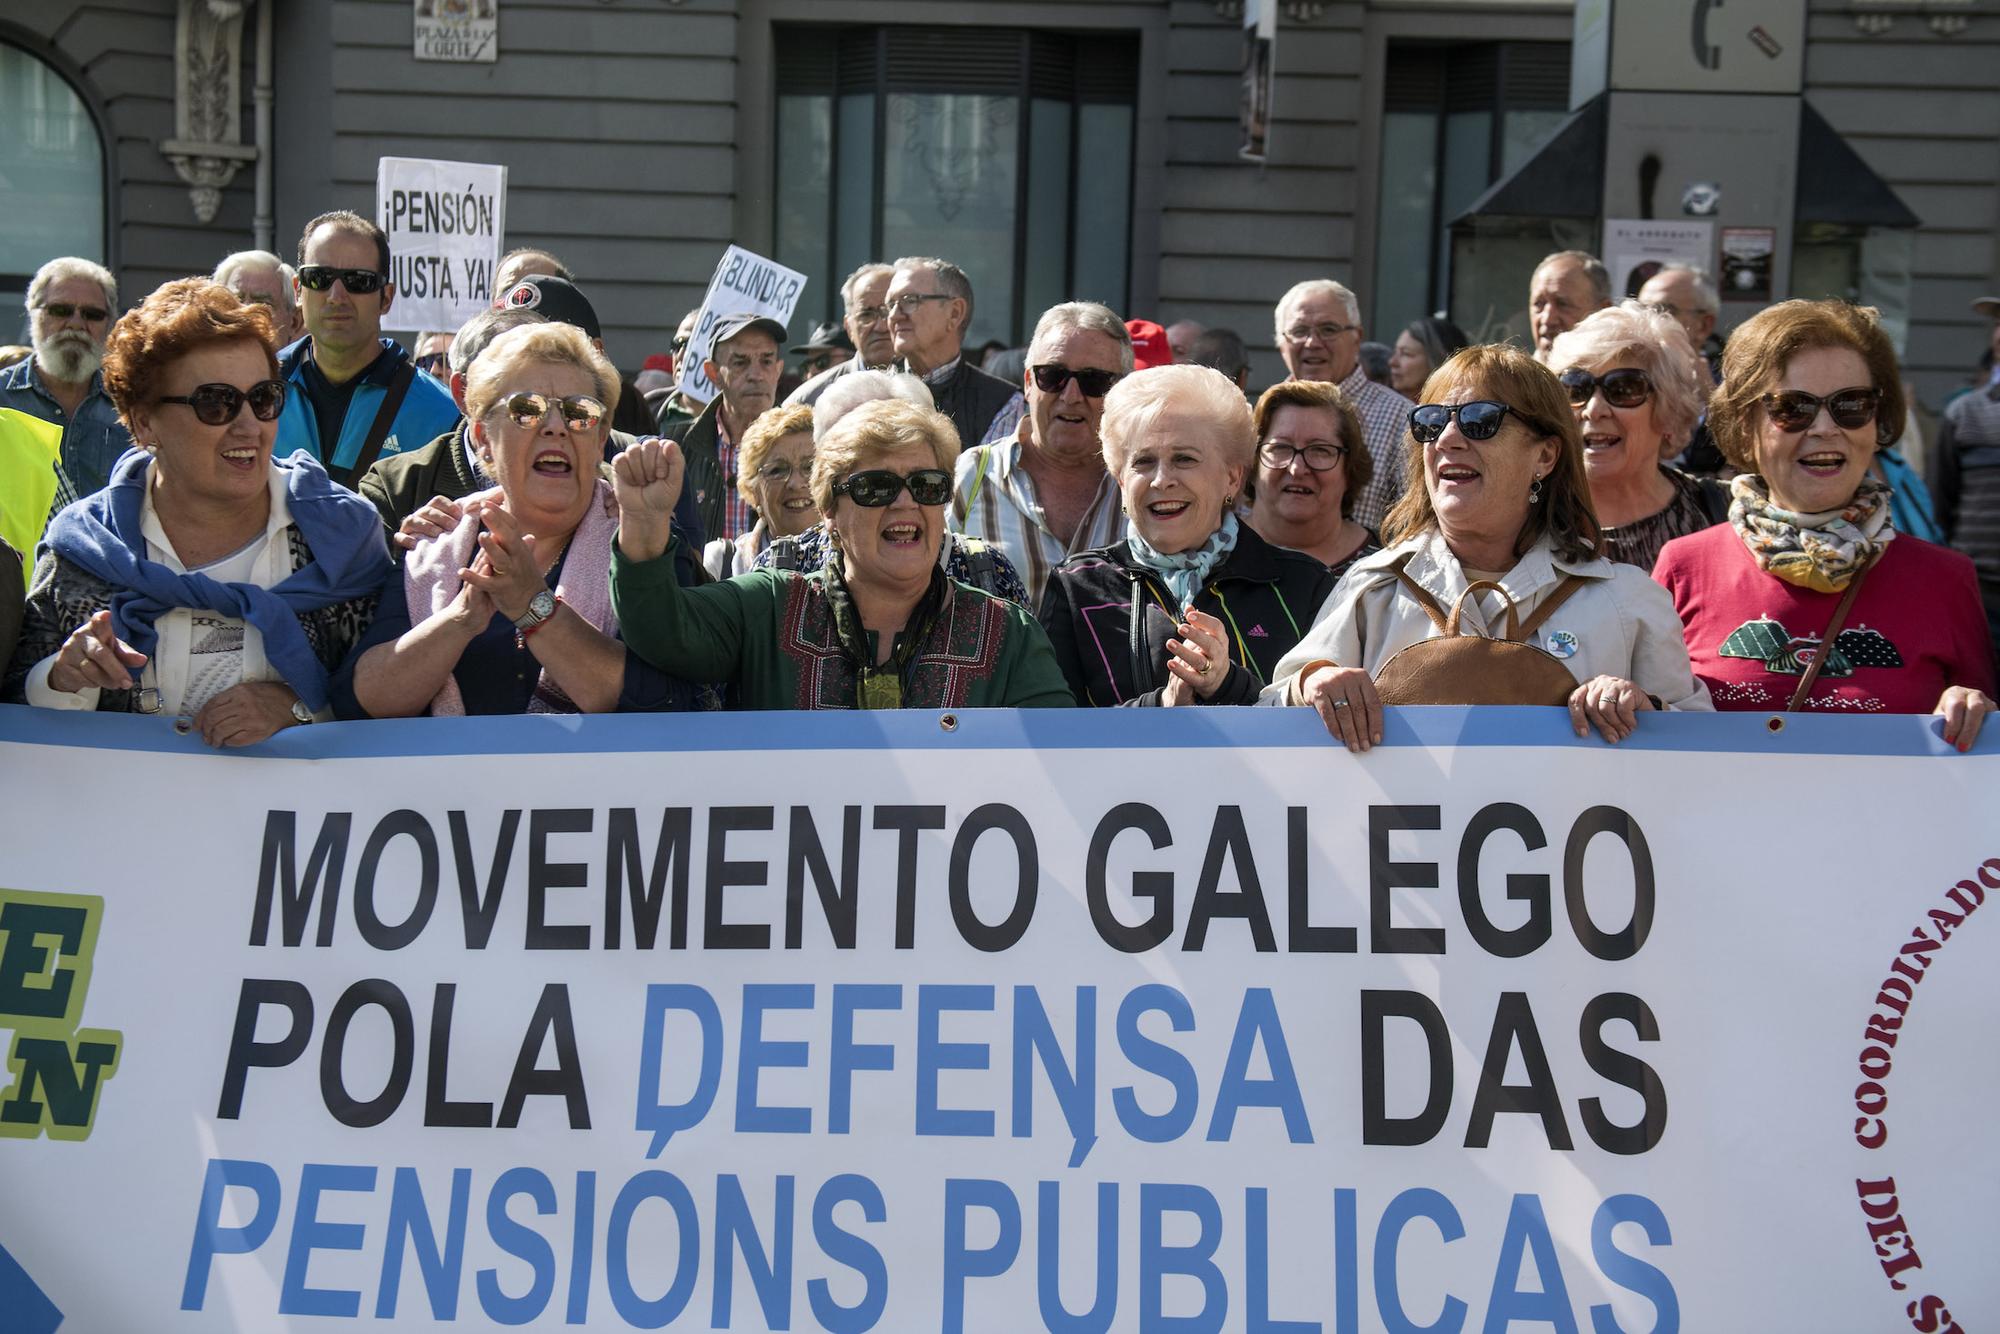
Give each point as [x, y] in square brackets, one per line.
[431, 582]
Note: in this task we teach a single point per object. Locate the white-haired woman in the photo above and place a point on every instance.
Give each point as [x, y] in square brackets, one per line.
[1638, 388]
[510, 610]
[1194, 606]
[969, 560]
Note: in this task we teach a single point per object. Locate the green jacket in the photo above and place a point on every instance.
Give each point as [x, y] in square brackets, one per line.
[770, 634]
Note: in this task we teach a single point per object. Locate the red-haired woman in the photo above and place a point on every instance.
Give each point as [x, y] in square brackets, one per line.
[207, 582]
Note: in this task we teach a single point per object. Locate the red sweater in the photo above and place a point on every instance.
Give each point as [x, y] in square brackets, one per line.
[1917, 627]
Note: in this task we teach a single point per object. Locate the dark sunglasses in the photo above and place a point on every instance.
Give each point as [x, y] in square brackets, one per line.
[1480, 419]
[1793, 410]
[358, 282]
[218, 404]
[878, 487]
[434, 362]
[580, 412]
[62, 310]
[1094, 384]
[1626, 388]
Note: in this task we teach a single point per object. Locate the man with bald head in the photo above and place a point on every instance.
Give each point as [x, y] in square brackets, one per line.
[1180, 337]
[1319, 336]
[864, 300]
[1688, 294]
[1566, 286]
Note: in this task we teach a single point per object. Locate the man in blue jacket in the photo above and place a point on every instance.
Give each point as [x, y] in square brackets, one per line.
[355, 395]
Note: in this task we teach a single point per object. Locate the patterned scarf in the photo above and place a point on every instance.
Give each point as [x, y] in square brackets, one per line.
[1185, 573]
[881, 687]
[1818, 551]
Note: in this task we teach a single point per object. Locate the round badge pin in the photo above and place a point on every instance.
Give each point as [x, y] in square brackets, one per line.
[1562, 644]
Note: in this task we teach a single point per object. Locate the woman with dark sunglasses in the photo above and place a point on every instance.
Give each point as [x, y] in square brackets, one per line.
[1638, 390]
[509, 611]
[1809, 598]
[1496, 515]
[878, 626]
[1194, 606]
[207, 582]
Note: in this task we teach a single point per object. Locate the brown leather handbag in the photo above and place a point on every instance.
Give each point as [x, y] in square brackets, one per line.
[1471, 668]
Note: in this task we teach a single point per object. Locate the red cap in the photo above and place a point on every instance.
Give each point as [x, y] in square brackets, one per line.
[659, 361]
[1149, 345]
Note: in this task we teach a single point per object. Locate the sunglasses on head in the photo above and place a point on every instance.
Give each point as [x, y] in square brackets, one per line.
[358, 282]
[218, 404]
[1625, 388]
[1793, 410]
[580, 412]
[878, 487]
[1094, 384]
[1480, 419]
[62, 310]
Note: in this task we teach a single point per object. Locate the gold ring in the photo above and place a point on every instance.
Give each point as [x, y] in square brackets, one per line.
[1201, 670]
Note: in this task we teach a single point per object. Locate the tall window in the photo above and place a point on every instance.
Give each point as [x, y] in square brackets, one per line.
[51, 170]
[1006, 152]
[1456, 117]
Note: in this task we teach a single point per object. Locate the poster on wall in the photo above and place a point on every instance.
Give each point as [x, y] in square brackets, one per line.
[445, 221]
[457, 30]
[1637, 248]
[744, 284]
[1746, 263]
[1260, 38]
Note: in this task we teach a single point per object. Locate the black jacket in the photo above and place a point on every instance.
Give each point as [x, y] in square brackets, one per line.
[1265, 597]
[972, 399]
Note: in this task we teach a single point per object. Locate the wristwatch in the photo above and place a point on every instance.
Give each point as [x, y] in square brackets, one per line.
[540, 608]
[300, 713]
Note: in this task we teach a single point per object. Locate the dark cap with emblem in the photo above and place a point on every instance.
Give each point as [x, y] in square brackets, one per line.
[829, 337]
[729, 326]
[554, 298]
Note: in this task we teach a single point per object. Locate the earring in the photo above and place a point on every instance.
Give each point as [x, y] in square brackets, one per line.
[1229, 500]
[1535, 492]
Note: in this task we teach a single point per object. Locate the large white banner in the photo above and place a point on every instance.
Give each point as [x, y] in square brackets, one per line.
[743, 284]
[445, 222]
[998, 1022]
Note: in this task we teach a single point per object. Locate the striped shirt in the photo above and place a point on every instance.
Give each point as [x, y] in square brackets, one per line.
[737, 516]
[995, 499]
[1385, 416]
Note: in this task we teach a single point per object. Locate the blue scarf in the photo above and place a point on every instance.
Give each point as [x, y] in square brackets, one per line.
[1186, 572]
[102, 536]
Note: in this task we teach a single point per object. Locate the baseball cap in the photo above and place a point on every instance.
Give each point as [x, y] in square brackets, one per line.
[1149, 345]
[729, 326]
[826, 338]
[555, 298]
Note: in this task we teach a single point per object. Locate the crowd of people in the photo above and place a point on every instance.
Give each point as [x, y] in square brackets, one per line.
[247, 509]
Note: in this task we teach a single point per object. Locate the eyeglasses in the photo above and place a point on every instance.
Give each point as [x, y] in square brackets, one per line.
[580, 412]
[218, 404]
[358, 282]
[1326, 333]
[1623, 388]
[434, 362]
[1094, 384]
[908, 302]
[1480, 419]
[878, 487]
[781, 471]
[1319, 457]
[62, 310]
[869, 315]
[1793, 410]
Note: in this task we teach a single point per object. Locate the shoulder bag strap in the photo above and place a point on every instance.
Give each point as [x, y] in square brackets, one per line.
[1550, 605]
[1422, 597]
[1826, 640]
[378, 431]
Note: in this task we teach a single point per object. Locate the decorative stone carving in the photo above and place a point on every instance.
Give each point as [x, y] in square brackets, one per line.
[1298, 11]
[207, 147]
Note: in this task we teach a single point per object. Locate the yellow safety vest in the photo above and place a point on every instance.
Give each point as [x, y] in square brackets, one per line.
[29, 450]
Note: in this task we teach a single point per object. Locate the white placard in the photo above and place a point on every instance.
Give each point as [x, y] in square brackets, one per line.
[846, 1022]
[457, 30]
[744, 283]
[446, 222]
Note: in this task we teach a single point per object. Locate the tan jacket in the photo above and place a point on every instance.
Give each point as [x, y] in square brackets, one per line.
[1620, 623]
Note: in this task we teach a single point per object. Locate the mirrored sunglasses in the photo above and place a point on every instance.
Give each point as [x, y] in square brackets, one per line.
[358, 282]
[1480, 419]
[580, 412]
[218, 404]
[878, 487]
[1624, 388]
[1793, 410]
[1094, 384]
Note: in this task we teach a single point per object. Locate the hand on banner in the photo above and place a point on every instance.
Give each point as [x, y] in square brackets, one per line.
[1198, 661]
[247, 713]
[647, 477]
[1611, 704]
[1347, 703]
[440, 514]
[1963, 709]
[509, 574]
[93, 656]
